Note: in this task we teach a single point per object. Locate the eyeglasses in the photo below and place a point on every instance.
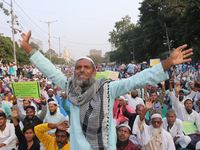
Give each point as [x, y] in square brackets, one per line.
[154, 122]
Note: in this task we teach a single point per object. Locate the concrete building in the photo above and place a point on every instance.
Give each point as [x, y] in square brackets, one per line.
[38, 42]
[96, 52]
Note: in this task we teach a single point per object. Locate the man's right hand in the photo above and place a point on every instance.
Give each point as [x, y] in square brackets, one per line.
[15, 112]
[149, 103]
[25, 42]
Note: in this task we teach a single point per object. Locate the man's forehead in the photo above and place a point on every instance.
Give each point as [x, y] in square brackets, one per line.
[154, 119]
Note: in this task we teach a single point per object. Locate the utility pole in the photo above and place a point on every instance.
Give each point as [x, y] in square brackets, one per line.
[167, 37]
[13, 31]
[49, 36]
[59, 46]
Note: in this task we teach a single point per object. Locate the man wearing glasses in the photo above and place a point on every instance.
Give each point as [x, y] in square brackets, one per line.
[152, 137]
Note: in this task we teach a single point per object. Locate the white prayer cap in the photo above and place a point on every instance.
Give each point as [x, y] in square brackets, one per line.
[87, 59]
[7, 89]
[48, 82]
[63, 92]
[198, 145]
[50, 89]
[1, 109]
[122, 97]
[156, 116]
[53, 102]
[124, 125]
[187, 98]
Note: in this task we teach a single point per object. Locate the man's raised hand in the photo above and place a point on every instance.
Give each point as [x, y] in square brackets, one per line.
[15, 113]
[149, 103]
[24, 42]
[62, 125]
[178, 56]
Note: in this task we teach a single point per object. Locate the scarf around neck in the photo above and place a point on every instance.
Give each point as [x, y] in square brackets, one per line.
[94, 110]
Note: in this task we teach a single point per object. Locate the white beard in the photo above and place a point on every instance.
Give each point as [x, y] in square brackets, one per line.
[156, 131]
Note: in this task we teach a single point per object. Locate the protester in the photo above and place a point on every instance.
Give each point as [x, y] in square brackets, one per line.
[152, 137]
[26, 139]
[30, 116]
[62, 136]
[131, 117]
[123, 135]
[85, 94]
[174, 126]
[7, 137]
[157, 108]
[134, 100]
[53, 116]
[118, 114]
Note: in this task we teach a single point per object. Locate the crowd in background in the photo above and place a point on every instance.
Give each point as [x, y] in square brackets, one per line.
[34, 123]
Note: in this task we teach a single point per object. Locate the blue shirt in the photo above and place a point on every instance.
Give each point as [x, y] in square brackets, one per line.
[78, 141]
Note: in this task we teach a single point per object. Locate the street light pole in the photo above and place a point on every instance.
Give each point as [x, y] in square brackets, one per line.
[59, 46]
[13, 32]
[49, 36]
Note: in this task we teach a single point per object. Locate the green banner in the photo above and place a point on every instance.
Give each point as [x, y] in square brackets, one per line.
[189, 128]
[100, 75]
[26, 90]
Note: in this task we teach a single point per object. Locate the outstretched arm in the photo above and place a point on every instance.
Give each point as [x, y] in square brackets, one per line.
[42, 63]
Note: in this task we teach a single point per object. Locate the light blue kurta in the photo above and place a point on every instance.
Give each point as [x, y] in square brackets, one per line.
[117, 88]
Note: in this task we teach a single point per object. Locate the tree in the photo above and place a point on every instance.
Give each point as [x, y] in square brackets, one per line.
[6, 12]
[34, 46]
[6, 51]
[96, 58]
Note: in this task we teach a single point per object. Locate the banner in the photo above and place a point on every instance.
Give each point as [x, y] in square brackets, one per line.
[189, 128]
[107, 75]
[26, 90]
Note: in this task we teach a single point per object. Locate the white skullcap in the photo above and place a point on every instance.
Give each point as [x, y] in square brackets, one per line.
[156, 116]
[187, 98]
[53, 102]
[1, 109]
[48, 82]
[198, 145]
[7, 89]
[50, 89]
[122, 97]
[87, 59]
[124, 125]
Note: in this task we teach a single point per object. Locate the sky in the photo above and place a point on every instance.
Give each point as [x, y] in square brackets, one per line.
[82, 24]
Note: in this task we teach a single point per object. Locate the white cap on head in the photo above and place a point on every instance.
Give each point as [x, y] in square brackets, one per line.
[50, 89]
[48, 82]
[156, 116]
[122, 97]
[125, 125]
[87, 59]
[53, 102]
[187, 98]
[7, 89]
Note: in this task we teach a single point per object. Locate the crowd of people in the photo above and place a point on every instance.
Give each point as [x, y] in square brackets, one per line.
[77, 112]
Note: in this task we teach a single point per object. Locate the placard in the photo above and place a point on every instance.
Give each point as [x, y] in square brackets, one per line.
[189, 128]
[26, 90]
